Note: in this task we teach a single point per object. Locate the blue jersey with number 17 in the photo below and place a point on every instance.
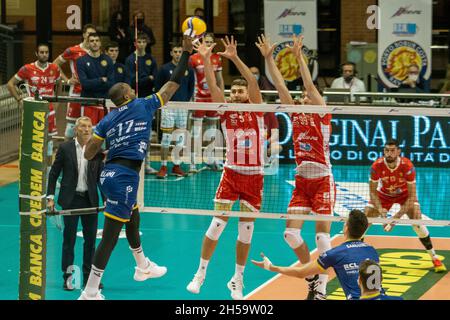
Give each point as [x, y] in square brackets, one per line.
[127, 128]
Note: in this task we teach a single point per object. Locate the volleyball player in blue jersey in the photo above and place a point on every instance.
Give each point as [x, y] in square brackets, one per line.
[126, 130]
[344, 259]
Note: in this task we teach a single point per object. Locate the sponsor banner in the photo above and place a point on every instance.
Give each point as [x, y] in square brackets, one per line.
[283, 19]
[406, 273]
[359, 140]
[404, 39]
[33, 188]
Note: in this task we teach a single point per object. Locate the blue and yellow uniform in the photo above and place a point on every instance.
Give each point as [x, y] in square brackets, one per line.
[121, 74]
[379, 296]
[91, 71]
[345, 260]
[126, 130]
[147, 67]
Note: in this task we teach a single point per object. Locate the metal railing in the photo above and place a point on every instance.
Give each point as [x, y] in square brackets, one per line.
[10, 125]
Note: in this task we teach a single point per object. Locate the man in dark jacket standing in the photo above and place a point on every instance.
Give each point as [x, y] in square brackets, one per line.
[79, 183]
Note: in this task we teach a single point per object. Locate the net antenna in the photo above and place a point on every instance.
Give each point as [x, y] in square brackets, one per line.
[136, 61]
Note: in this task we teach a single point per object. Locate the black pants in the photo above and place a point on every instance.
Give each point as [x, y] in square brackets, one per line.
[89, 224]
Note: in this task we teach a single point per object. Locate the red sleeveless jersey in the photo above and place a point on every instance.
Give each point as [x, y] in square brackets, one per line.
[202, 93]
[244, 134]
[72, 54]
[311, 137]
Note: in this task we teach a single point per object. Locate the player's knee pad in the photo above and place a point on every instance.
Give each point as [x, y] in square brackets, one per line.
[323, 242]
[245, 231]
[293, 237]
[70, 130]
[421, 231]
[165, 141]
[216, 228]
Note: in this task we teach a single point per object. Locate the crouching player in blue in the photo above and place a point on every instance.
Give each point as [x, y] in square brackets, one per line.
[344, 259]
[126, 130]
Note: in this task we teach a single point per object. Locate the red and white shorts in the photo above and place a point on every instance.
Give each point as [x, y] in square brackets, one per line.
[95, 113]
[200, 114]
[247, 188]
[73, 111]
[387, 202]
[52, 130]
[316, 195]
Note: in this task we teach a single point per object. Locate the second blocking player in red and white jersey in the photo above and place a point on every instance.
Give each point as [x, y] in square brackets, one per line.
[41, 77]
[314, 191]
[393, 180]
[71, 55]
[202, 94]
[242, 178]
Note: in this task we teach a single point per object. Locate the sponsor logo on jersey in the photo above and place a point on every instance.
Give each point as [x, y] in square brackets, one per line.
[305, 147]
[148, 62]
[104, 63]
[120, 70]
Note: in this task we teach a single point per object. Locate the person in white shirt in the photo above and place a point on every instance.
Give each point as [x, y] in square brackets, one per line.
[348, 79]
[79, 189]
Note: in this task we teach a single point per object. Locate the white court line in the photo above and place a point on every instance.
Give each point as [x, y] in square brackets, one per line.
[265, 284]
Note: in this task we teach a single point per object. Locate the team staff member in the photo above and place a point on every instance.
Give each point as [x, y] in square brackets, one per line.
[78, 190]
[393, 180]
[72, 54]
[174, 118]
[121, 73]
[96, 74]
[344, 259]
[126, 130]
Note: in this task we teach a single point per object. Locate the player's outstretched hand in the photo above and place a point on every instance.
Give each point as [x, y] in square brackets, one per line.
[296, 49]
[187, 44]
[230, 48]
[265, 46]
[203, 49]
[265, 263]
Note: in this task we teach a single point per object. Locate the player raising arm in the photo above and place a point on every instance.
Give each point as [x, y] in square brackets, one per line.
[126, 129]
[242, 178]
[314, 184]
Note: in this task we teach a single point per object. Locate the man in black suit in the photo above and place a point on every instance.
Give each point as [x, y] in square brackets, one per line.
[78, 190]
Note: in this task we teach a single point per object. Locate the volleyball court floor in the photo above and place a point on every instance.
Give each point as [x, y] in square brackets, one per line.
[175, 241]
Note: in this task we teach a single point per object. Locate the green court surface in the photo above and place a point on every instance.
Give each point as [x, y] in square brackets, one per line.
[174, 240]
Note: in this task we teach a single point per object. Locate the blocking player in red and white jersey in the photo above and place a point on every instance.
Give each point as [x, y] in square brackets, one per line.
[314, 191]
[71, 55]
[393, 180]
[242, 178]
[39, 76]
[202, 94]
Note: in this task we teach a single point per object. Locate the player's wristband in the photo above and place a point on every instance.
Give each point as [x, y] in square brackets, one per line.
[181, 68]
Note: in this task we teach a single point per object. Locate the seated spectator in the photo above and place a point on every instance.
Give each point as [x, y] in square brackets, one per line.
[118, 33]
[414, 81]
[263, 82]
[348, 79]
[121, 73]
[147, 68]
[139, 16]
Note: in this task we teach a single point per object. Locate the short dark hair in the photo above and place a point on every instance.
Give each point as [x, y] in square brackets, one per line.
[199, 9]
[142, 36]
[240, 82]
[89, 26]
[357, 224]
[392, 142]
[111, 44]
[95, 35]
[175, 45]
[42, 45]
[117, 93]
[365, 275]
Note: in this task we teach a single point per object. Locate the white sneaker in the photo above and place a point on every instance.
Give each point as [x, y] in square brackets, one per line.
[152, 271]
[196, 283]
[235, 285]
[150, 170]
[98, 296]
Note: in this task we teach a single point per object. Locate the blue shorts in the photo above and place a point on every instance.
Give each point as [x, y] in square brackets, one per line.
[120, 185]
